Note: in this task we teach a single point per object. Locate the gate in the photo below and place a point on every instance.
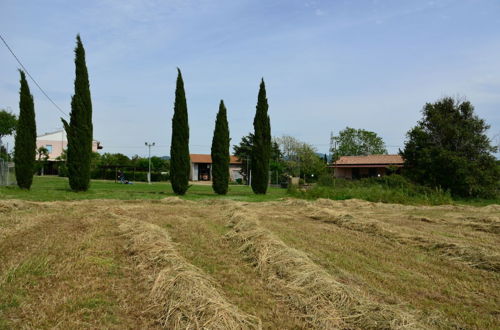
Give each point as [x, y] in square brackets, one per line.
[7, 174]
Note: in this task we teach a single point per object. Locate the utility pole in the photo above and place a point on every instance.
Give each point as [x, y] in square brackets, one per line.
[149, 145]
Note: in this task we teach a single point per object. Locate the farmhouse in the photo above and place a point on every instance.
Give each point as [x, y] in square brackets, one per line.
[201, 168]
[355, 167]
[56, 143]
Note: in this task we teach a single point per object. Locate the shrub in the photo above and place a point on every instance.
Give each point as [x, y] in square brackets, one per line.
[326, 180]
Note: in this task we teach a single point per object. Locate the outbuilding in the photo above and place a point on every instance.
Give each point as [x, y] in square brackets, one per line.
[201, 168]
[356, 167]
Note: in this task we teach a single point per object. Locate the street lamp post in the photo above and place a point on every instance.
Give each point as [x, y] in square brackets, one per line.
[149, 145]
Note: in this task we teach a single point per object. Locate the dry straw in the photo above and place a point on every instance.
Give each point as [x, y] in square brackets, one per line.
[187, 298]
[473, 256]
[322, 301]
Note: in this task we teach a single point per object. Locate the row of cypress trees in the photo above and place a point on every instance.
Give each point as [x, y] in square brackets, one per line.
[78, 130]
[179, 147]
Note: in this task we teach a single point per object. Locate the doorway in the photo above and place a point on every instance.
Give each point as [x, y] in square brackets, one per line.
[204, 172]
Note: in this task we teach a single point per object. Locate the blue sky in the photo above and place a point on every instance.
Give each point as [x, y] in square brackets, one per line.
[327, 64]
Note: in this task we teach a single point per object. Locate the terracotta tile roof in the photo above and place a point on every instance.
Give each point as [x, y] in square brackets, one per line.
[207, 159]
[370, 160]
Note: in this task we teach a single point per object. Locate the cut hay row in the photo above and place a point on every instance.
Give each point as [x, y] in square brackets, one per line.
[185, 296]
[310, 290]
[472, 256]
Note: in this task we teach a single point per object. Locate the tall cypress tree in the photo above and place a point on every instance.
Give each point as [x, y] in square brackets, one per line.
[25, 143]
[220, 152]
[261, 152]
[179, 147]
[79, 130]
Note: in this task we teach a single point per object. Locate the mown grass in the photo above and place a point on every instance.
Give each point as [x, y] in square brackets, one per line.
[392, 189]
[50, 188]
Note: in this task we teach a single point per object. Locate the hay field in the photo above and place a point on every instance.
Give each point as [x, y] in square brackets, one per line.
[221, 264]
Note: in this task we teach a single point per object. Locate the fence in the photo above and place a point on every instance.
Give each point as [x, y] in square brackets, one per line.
[7, 174]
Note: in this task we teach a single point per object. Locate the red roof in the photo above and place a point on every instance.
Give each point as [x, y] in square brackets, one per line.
[207, 159]
[370, 160]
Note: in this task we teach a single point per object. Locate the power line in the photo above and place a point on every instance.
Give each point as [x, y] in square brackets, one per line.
[29, 75]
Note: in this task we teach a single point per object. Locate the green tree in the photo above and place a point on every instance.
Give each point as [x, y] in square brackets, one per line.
[179, 147]
[79, 130]
[118, 159]
[356, 142]
[42, 158]
[8, 124]
[261, 151]
[220, 152]
[25, 141]
[243, 151]
[449, 149]
[301, 159]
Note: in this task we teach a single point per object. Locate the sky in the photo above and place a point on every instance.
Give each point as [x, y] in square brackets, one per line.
[370, 64]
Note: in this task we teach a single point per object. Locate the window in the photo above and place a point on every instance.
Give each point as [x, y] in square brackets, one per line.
[49, 148]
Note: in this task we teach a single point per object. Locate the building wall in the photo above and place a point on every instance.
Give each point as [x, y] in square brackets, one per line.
[347, 172]
[56, 147]
[234, 172]
[342, 173]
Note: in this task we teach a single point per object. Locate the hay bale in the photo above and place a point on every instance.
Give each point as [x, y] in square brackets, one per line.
[185, 295]
[322, 301]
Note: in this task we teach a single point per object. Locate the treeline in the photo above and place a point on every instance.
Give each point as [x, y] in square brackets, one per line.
[108, 166]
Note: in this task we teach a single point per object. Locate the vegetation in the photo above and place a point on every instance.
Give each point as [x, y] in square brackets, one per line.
[50, 188]
[300, 159]
[8, 124]
[448, 149]
[25, 142]
[289, 264]
[179, 148]
[261, 151]
[220, 152]
[42, 156]
[80, 130]
[356, 142]
[243, 151]
[386, 189]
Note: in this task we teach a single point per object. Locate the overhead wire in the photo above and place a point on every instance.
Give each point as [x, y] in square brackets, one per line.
[29, 75]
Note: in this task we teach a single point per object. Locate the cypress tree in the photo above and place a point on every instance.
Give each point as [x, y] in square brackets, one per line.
[79, 130]
[25, 142]
[179, 147]
[261, 152]
[220, 152]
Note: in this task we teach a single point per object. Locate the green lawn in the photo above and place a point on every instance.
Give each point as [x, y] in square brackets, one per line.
[50, 188]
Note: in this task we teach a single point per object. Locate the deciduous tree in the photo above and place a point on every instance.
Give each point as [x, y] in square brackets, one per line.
[356, 142]
[449, 149]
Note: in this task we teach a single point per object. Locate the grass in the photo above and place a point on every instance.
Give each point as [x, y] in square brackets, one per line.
[71, 264]
[389, 189]
[51, 188]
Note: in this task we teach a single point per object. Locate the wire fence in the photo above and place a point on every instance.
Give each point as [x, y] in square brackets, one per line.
[7, 173]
